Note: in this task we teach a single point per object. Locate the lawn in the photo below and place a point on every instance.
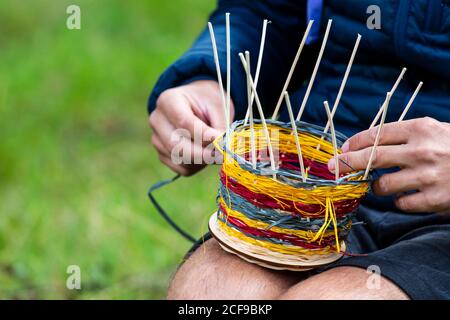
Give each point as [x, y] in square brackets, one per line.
[75, 153]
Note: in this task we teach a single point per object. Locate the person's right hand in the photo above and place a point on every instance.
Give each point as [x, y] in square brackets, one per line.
[197, 110]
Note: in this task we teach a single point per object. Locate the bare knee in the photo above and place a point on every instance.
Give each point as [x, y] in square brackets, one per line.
[212, 273]
[345, 283]
[196, 276]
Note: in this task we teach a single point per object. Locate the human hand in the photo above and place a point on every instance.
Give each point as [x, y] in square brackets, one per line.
[421, 148]
[187, 119]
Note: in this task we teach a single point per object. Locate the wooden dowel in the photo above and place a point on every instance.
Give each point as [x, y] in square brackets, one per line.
[291, 71]
[380, 111]
[341, 89]
[261, 114]
[316, 68]
[250, 111]
[333, 138]
[228, 37]
[377, 138]
[219, 75]
[410, 102]
[258, 64]
[297, 140]
[249, 89]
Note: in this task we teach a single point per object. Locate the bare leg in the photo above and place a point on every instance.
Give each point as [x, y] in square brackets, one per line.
[212, 273]
[343, 283]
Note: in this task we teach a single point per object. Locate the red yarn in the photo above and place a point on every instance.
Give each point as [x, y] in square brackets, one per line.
[289, 161]
[264, 201]
[262, 233]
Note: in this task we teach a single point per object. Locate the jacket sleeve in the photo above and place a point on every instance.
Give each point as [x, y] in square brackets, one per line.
[288, 23]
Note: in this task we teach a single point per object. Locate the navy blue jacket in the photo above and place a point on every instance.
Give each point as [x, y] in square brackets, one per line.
[414, 34]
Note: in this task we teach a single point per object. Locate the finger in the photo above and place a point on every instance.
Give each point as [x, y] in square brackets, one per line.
[176, 144]
[186, 152]
[180, 114]
[216, 117]
[429, 200]
[184, 170]
[383, 157]
[391, 133]
[392, 183]
[164, 130]
[174, 167]
[208, 105]
[159, 146]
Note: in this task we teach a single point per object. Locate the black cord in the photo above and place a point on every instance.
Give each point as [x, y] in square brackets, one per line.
[163, 213]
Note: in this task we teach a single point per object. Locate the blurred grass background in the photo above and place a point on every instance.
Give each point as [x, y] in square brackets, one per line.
[75, 154]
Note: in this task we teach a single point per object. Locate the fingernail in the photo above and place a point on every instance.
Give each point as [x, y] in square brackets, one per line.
[331, 165]
[345, 146]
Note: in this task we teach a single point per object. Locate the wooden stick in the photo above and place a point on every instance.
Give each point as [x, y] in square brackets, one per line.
[258, 64]
[410, 102]
[316, 67]
[380, 111]
[291, 71]
[219, 75]
[227, 29]
[261, 50]
[261, 114]
[333, 137]
[250, 111]
[341, 89]
[297, 140]
[377, 138]
[249, 89]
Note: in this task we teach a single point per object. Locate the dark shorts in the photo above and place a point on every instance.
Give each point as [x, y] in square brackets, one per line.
[411, 250]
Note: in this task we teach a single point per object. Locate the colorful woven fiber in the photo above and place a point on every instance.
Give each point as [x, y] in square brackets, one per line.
[277, 209]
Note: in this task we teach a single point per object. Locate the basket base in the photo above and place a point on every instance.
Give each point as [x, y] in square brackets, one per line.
[267, 258]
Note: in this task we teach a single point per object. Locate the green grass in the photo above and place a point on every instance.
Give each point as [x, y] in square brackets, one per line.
[75, 156]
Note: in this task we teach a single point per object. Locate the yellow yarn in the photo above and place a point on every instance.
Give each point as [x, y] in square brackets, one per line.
[283, 140]
[281, 248]
[305, 235]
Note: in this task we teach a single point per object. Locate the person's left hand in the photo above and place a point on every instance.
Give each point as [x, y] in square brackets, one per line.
[421, 148]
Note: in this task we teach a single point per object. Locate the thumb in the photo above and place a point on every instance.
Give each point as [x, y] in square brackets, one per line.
[185, 118]
[216, 117]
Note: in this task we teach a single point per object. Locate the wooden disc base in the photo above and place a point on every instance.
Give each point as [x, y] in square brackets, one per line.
[267, 258]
